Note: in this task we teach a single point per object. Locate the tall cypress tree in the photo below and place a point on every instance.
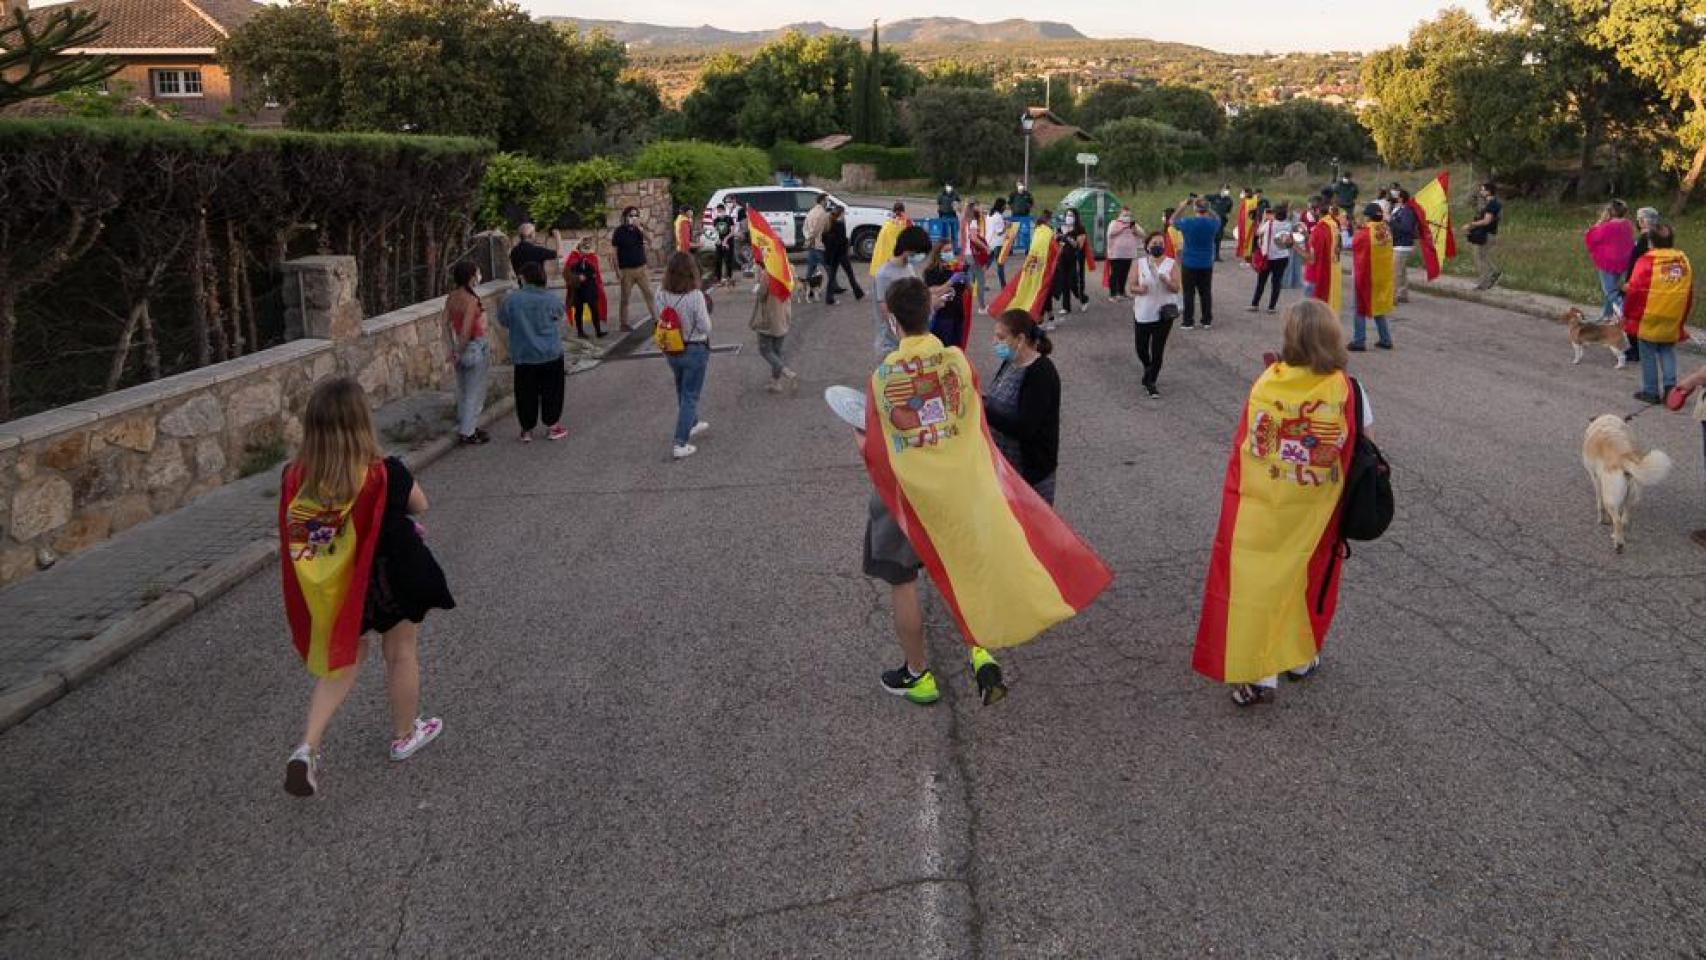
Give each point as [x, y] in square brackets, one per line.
[876, 117]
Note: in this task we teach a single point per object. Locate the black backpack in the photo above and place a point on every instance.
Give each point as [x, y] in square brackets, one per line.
[1367, 497]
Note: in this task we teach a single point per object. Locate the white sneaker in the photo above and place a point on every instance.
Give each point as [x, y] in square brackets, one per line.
[425, 732]
[683, 450]
[299, 778]
[698, 428]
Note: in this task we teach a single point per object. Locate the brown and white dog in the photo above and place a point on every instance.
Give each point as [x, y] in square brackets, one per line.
[1608, 453]
[1608, 335]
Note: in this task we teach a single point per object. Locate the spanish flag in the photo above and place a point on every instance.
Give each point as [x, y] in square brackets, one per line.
[771, 256]
[1323, 270]
[1241, 227]
[1029, 289]
[1005, 564]
[683, 232]
[1007, 240]
[1172, 241]
[1432, 207]
[1660, 296]
[326, 551]
[883, 252]
[1371, 266]
[1273, 579]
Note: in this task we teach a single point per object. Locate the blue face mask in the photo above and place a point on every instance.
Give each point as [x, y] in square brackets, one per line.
[916, 259]
[1003, 351]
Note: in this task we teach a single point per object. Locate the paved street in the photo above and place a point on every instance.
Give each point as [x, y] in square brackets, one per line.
[665, 735]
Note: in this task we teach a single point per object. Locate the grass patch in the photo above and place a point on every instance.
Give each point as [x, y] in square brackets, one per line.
[1540, 241]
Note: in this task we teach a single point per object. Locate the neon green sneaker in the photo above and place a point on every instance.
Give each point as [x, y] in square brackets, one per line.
[988, 672]
[920, 688]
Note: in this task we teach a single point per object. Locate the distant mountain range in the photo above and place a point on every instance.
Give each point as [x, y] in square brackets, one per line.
[920, 30]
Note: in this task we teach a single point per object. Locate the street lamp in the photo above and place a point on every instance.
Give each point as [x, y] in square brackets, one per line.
[1027, 121]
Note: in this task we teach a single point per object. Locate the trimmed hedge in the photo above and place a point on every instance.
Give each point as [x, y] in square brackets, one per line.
[892, 163]
[564, 195]
[803, 160]
[697, 169]
[137, 249]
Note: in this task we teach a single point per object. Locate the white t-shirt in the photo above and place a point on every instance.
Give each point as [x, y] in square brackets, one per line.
[1268, 235]
[995, 230]
[1146, 308]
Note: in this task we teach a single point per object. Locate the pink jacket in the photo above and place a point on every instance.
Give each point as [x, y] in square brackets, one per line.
[1610, 245]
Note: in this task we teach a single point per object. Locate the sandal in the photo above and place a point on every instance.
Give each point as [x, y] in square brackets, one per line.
[1248, 694]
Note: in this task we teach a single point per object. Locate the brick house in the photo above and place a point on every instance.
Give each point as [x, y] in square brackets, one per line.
[169, 52]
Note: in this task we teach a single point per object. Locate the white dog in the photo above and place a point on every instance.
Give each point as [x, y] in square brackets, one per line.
[1608, 453]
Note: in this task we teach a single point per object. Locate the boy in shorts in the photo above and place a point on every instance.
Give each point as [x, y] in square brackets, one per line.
[889, 557]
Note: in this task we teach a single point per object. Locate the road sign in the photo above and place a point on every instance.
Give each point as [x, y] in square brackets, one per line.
[1088, 159]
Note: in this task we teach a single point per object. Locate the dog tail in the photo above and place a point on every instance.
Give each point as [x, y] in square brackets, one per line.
[1649, 470]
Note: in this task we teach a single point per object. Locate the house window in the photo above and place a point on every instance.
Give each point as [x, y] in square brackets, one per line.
[177, 83]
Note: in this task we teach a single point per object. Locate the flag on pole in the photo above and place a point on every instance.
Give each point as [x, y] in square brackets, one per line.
[1029, 289]
[1005, 564]
[771, 256]
[1372, 269]
[1432, 207]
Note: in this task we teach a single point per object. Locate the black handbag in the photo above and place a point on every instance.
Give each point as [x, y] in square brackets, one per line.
[1169, 312]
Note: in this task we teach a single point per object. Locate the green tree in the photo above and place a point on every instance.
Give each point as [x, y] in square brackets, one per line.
[1053, 90]
[964, 134]
[958, 73]
[31, 64]
[1457, 91]
[1304, 130]
[1114, 100]
[472, 67]
[867, 119]
[1180, 107]
[1664, 43]
[1137, 151]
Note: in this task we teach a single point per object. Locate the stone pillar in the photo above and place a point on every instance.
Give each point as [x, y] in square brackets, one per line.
[657, 214]
[320, 300]
[491, 255]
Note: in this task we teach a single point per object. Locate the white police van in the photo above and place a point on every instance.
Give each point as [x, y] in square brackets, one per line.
[785, 209]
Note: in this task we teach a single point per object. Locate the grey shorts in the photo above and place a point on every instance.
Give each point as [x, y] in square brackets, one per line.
[888, 555]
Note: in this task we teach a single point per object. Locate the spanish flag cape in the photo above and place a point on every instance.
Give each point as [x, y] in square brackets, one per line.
[574, 260]
[1029, 289]
[1171, 240]
[327, 556]
[1323, 269]
[1273, 579]
[683, 232]
[1660, 296]
[1241, 227]
[1371, 266]
[1007, 240]
[1432, 207]
[1005, 564]
[770, 256]
[883, 252]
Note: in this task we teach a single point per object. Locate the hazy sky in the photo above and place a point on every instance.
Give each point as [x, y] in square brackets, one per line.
[1244, 26]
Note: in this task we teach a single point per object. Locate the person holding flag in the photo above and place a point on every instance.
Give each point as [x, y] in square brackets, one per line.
[1432, 207]
[1371, 269]
[1172, 241]
[1032, 288]
[1322, 279]
[974, 249]
[773, 305]
[354, 563]
[1273, 576]
[1405, 230]
[947, 501]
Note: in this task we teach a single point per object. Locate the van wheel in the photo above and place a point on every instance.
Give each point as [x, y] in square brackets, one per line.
[864, 244]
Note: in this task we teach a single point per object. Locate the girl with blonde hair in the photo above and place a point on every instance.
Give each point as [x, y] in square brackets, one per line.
[354, 562]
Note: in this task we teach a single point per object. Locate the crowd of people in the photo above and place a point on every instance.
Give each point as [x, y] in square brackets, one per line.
[354, 552]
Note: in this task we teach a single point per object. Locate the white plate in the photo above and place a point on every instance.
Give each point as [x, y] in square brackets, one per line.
[848, 404]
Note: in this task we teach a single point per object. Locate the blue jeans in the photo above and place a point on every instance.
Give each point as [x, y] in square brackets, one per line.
[814, 262]
[1653, 357]
[689, 369]
[1609, 282]
[472, 368]
[1359, 330]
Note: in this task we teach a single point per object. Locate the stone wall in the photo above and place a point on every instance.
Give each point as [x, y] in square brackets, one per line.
[657, 218]
[72, 477]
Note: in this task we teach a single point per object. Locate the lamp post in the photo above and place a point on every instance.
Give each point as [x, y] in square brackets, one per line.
[1027, 122]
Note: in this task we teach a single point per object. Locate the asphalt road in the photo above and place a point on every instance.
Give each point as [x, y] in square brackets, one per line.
[665, 735]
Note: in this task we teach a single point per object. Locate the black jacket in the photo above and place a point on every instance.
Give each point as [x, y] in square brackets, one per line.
[835, 239]
[1037, 424]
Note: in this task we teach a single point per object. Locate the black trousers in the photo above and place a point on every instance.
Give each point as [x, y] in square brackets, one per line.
[539, 393]
[1274, 274]
[1119, 271]
[1198, 282]
[1152, 347]
[587, 299]
[840, 261]
[725, 261]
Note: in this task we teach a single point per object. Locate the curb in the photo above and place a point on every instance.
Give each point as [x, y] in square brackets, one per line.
[1553, 314]
[134, 630]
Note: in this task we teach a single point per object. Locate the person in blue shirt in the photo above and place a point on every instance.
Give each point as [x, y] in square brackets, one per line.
[535, 320]
[1198, 228]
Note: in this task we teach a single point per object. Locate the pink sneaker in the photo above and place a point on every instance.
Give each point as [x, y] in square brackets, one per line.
[526, 436]
[557, 432]
[425, 732]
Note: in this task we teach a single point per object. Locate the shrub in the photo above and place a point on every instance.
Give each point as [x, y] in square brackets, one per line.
[788, 155]
[892, 163]
[696, 170]
[517, 188]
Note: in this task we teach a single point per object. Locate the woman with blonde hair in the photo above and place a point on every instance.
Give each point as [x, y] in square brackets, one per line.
[354, 563]
[1273, 577]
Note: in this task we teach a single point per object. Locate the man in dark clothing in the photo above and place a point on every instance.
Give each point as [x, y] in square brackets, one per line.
[1483, 234]
[724, 224]
[527, 251]
[1345, 192]
[1021, 201]
[1221, 204]
[1406, 230]
[1198, 228]
[630, 243]
[948, 212]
